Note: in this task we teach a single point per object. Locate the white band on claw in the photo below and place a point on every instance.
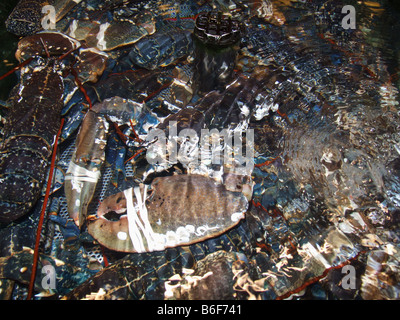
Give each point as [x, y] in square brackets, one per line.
[137, 224]
[80, 174]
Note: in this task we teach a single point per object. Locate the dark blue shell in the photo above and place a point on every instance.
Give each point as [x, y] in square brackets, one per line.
[161, 49]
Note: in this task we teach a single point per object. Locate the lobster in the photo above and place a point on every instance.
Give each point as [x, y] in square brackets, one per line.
[28, 15]
[33, 120]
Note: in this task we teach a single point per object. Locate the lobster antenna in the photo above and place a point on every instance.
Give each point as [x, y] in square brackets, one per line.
[21, 65]
[67, 53]
[45, 48]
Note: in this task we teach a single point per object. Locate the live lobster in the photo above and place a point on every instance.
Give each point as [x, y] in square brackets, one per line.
[32, 123]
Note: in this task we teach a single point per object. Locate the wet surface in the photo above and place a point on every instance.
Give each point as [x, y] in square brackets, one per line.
[9, 42]
[323, 218]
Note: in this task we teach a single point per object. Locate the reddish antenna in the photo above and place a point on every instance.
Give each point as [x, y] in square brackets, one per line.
[45, 48]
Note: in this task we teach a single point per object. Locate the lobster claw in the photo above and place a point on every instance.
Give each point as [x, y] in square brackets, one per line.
[84, 169]
[177, 210]
[80, 185]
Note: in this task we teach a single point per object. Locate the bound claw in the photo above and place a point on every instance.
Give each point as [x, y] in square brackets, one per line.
[216, 38]
[89, 156]
[84, 168]
[216, 28]
[174, 211]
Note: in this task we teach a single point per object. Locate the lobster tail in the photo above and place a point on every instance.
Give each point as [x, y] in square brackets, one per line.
[20, 185]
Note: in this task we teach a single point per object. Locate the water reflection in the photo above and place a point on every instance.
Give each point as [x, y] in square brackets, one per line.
[327, 176]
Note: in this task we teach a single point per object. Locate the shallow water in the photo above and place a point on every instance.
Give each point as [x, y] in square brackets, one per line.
[327, 196]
